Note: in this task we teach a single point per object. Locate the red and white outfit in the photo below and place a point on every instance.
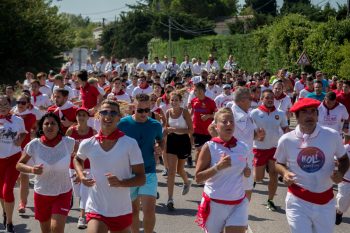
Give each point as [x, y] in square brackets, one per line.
[244, 131]
[303, 93]
[223, 99]
[67, 112]
[112, 205]
[79, 189]
[283, 103]
[53, 188]
[343, 195]
[299, 86]
[147, 89]
[40, 100]
[310, 206]
[224, 194]
[10, 127]
[271, 121]
[29, 120]
[333, 117]
[119, 96]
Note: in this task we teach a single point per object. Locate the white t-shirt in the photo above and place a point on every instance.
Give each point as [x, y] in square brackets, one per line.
[55, 179]
[244, 126]
[212, 67]
[208, 94]
[283, 104]
[45, 90]
[143, 66]
[227, 184]
[41, 101]
[311, 157]
[222, 99]
[130, 89]
[216, 90]
[298, 86]
[263, 87]
[9, 131]
[197, 68]
[230, 65]
[124, 97]
[103, 199]
[334, 119]
[303, 93]
[71, 94]
[186, 65]
[139, 90]
[272, 124]
[159, 67]
[347, 174]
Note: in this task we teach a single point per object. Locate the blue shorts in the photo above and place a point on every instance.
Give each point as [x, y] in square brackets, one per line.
[148, 189]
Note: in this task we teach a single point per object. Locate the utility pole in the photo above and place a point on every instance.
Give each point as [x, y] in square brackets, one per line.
[169, 43]
[103, 22]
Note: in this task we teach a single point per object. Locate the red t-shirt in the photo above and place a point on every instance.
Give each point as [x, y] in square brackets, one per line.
[200, 107]
[68, 114]
[78, 138]
[29, 124]
[89, 96]
[345, 100]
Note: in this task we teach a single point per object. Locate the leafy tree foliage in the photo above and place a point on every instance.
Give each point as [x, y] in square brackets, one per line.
[263, 6]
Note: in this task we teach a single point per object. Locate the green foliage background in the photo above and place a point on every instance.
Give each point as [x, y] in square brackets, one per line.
[275, 46]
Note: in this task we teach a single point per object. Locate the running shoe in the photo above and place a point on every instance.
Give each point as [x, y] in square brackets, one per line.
[338, 218]
[165, 172]
[158, 196]
[10, 228]
[189, 162]
[21, 208]
[4, 220]
[271, 205]
[170, 204]
[82, 223]
[186, 187]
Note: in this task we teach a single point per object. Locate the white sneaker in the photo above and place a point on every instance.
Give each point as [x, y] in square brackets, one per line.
[81, 223]
[186, 187]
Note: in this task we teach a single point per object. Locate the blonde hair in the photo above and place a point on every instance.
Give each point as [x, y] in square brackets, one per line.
[222, 111]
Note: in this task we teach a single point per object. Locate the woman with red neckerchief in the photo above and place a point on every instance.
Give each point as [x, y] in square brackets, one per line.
[50, 153]
[12, 134]
[22, 110]
[221, 164]
[116, 165]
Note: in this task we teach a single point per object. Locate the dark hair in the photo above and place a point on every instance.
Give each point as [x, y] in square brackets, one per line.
[40, 131]
[83, 75]
[6, 97]
[331, 96]
[310, 78]
[266, 91]
[347, 82]
[142, 97]
[266, 74]
[10, 87]
[200, 85]
[278, 81]
[318, 81]
[116, 79]
[63, 91]
[254, 88]
[25, 96]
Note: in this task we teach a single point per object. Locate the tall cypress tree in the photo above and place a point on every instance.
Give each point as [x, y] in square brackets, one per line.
[263, 6]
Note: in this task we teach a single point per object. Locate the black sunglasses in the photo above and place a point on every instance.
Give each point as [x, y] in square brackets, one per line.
[142, 110]
[21, 102]
[110, 113]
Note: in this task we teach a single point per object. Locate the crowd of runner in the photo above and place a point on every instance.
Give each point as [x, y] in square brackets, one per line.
[99, 133]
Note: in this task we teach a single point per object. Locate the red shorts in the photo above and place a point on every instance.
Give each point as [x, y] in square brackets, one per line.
[113, 223]
[262, 157]
[45, 206]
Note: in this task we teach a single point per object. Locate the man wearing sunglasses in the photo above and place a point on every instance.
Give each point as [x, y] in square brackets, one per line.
[148, 134]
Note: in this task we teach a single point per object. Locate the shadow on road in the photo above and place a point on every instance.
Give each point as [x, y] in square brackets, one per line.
[161, 208]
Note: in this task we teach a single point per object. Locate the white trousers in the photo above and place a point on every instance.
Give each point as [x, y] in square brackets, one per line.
[343, 196]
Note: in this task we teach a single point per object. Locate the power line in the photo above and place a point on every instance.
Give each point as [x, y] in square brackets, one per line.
[103, 12]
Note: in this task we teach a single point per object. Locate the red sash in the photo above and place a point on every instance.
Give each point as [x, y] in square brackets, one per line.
[115, 135]
[316, 198]
[51, 142]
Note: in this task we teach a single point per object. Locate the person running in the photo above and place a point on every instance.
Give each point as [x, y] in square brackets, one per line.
[12, 134]
[178, 144]
[148, 134]
[22, 110]
[79, 132]
[222, 164]
[50, 153]
[318, 94]
[305, 159]
[116, 164]
[271, 120]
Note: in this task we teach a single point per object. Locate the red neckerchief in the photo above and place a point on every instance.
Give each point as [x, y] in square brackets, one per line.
[280, 97]
[165, 100]
[266, 84]
[302, 82]
[144, 86]
[333, 86]
[121, 92]
[36, 95]
[51, 142]
[308, 89]
[229, 144]
[115, 135]
[6, 117]
[328, 109]
[265, 109]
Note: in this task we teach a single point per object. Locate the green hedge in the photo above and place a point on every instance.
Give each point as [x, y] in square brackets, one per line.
[273, 47]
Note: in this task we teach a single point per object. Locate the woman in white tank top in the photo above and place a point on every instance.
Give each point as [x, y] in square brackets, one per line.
[178, 128]
[221, 164]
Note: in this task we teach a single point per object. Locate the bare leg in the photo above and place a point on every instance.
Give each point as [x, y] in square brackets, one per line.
[149, 213]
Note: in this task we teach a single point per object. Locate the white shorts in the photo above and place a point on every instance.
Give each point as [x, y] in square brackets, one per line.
[308, 217]
[222, 216]
[79, 190]
[343, 196]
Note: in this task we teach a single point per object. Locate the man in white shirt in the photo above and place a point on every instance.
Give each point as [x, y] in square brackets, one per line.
[59, 84]
[101, 65]
[123, 67]
[266, 81]
[230, 65]
[211, 86]
[198, 66]
[186, 65]
[143, 65]
[158, 66]
[165, 62]
[44, 89]
[112, 65]
[333, 114]
[300, 85]
[225, 97]
[305, 158]
[173, 67]
[142, 88]
[212, 65]
[282, 101]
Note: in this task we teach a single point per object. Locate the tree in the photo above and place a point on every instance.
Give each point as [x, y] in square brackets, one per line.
[263, 6]
[33, 35]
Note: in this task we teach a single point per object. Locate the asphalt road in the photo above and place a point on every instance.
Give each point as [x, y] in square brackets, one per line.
[182, 219]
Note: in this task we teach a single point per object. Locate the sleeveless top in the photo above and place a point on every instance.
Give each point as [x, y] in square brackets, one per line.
[178, 123]
[78, 138]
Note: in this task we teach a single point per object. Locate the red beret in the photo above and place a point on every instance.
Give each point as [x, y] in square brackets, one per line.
[82, 109]
[305, 103]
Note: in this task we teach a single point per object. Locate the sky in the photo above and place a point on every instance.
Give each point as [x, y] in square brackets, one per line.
[109, 9]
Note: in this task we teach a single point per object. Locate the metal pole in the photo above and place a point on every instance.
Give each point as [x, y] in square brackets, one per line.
[79, 58]
[169, 43]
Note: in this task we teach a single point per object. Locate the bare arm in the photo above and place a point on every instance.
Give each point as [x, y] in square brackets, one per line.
[138, 180]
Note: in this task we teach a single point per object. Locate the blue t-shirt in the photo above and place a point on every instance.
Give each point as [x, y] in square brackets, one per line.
[325, 84]
[316, 97]
[145, 134]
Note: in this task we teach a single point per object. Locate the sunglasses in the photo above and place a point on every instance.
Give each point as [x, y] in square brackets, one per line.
[142, 110]
[109, 113]
[21, 102]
